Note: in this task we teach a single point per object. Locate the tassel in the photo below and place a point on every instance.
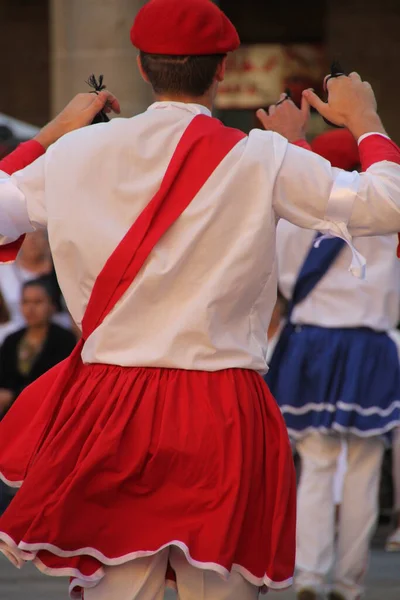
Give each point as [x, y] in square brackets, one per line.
[98, 86]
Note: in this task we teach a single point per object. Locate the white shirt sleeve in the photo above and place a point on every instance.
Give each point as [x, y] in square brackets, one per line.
[310, 193]
[22, 201]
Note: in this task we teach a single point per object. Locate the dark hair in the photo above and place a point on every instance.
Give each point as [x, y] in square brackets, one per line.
[180, 75]
[43, 283]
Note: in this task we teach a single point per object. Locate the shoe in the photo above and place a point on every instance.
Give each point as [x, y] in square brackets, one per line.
[393, 542]
[336, 596]
[307, 594]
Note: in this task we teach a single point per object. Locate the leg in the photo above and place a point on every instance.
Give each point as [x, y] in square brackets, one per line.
[396, 473]
[338, 481]
[199, 584]
[140, 579]
[393, 543]
[359, 513]
[315, 510]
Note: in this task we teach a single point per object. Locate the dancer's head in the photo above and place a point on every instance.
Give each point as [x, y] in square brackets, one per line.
[183, 46]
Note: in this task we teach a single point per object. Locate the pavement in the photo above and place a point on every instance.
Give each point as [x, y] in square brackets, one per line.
[29, 584]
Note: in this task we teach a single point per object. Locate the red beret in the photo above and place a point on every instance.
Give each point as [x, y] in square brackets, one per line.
[339, 147]
[185, 27]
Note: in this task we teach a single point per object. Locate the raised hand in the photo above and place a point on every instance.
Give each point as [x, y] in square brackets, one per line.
[78, 113]
[351, 103]
[285, 118]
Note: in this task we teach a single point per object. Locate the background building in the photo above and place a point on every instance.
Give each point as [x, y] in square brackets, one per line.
[48, 48]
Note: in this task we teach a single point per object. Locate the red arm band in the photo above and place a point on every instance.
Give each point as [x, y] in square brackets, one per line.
[376, 148]
[22, 156]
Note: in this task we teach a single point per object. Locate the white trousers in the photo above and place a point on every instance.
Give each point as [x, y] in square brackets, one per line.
[316, 512]
[338, 480]
[144, 579]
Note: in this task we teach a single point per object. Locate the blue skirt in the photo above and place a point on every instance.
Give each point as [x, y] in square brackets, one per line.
[336, 380]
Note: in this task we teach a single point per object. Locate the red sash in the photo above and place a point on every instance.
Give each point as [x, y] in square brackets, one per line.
[204, 144]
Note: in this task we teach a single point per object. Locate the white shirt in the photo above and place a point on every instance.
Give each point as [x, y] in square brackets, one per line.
[339, 299]
[395, 336]
[204, 297]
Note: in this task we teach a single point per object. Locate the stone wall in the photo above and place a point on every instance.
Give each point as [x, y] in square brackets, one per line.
[365, 36]
[48, 48]
[24, 60]
[92, 36]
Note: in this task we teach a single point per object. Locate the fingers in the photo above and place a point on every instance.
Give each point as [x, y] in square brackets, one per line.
[262, 117]
[330, 80]
[108, 98]
[327, 78]
[316, 102]
[282, 98]
[305, 107]
[355, 76]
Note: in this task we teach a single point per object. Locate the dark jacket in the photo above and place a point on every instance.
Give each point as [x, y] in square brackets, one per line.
[59, 344]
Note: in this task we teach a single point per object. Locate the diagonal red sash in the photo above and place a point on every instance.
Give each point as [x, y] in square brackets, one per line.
[204, 144]
[28, 424]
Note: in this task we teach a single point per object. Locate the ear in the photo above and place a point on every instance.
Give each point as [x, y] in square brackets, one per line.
[220, 74]
[141, 71]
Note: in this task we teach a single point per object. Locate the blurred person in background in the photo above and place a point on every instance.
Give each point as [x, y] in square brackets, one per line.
[33, 261]
[335, 374]
[31, 351]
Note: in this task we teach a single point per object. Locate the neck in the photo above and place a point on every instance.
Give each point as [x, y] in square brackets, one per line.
[205, 100]
[38, 331]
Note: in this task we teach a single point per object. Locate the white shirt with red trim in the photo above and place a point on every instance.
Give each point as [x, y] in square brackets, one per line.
[204, 297]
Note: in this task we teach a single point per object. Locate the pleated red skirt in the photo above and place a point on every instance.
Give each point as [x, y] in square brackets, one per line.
[136, 459]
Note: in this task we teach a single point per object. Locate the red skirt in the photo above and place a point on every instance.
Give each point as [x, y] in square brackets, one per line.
[137, 459]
